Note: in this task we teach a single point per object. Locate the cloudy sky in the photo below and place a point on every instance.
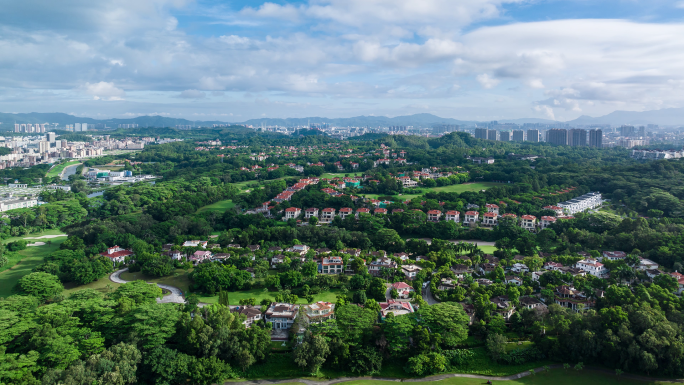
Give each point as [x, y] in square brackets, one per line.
[236, 60]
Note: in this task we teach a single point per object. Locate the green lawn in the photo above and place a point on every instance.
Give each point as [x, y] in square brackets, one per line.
[340, 175]
[99, 285]
[23, 263]
[459, 188]
[179, 279]
[35, 235]
[60, 167]
[554, 377]
[220, 206]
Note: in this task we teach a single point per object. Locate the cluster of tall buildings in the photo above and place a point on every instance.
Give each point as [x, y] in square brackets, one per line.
[575, 137]
[563, 136]
[77, 127]
[532, 135]
[30, 128]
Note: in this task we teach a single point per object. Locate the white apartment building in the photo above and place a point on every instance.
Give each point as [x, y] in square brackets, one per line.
[584, 202]
[17, 203]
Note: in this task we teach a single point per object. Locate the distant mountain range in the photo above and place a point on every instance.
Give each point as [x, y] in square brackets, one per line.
[665, 117]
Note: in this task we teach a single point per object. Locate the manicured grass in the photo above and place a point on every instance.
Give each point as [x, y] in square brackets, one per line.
[340, 175]
[179, 279]
[99, 285]
[554, 377]
[459, 188]
[29, 258]
[35, 235]
[220, 206]
[60, 167]
[487, 249]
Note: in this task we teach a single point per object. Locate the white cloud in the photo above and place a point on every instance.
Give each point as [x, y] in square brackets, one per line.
[381, 52]
[104, 91]
[548, 111]
[486, 81]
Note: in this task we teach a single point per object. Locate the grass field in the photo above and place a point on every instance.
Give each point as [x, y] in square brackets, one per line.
[25, 261]
[340, 175]
[35, 235]
[99, 285]
[459, 188]
[179, 279]
[220, 206]
[554, 377]
[60, 167]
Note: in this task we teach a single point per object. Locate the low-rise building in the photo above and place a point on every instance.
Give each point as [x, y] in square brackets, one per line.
[492, 208]
[587, 201]
[281, 315]
[433, 215]
[376, 266]
[331, 265]
[328, 214]
[490, 219]
[613, 255]
[471, 217]
[528, 222]
[398, 308]
[345, 212]
[403, 289]
[252, 314]
[453, 215]
[410, 271]
[592, 267]
[558, 210]
[546, 221]
[117, 254]
[292, 212]
[311, 212]
[319, 312]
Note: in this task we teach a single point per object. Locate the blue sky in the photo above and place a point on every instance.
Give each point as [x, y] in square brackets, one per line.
[236, 60]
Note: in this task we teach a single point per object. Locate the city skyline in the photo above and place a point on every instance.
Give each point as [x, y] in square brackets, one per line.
[234, 61]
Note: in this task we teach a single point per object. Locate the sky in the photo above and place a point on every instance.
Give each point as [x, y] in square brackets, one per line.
[238, 60]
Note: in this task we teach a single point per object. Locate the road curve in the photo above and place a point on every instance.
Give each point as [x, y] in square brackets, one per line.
[176, 295]
[441, 377]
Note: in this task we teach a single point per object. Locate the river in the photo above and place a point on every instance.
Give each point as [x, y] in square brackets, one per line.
[70, 170]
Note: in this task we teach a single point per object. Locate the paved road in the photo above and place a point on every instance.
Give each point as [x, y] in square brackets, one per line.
[176, 295]
[427, 296]
[441, 377]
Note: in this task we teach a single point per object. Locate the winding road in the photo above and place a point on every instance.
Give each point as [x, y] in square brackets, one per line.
[176, 295]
